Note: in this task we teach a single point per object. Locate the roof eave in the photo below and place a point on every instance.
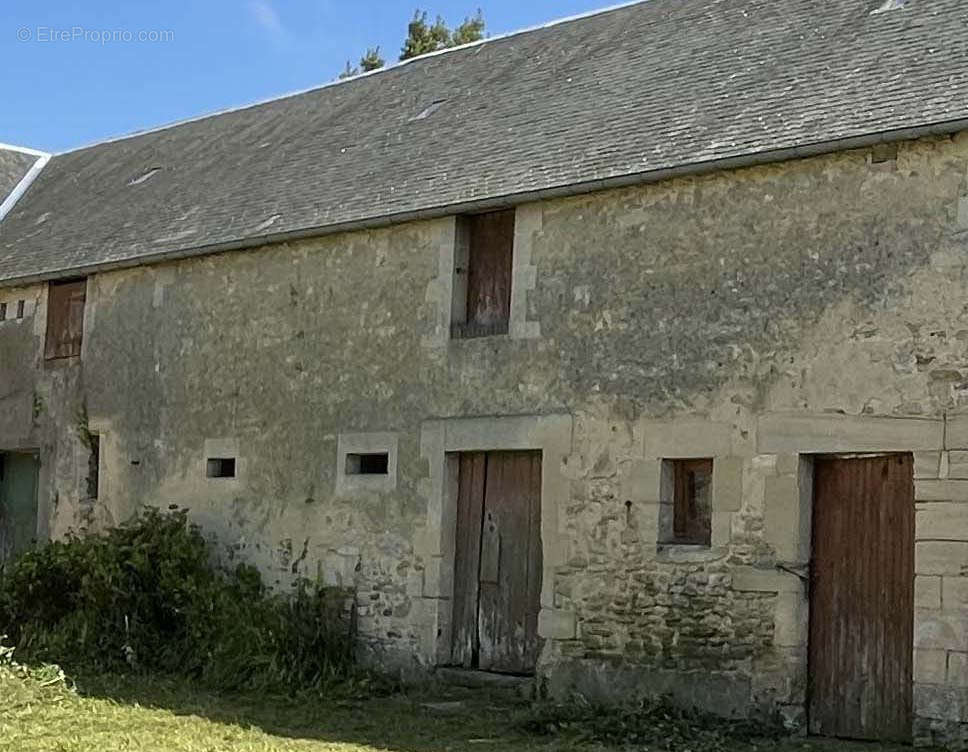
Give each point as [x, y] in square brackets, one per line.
[435, 212]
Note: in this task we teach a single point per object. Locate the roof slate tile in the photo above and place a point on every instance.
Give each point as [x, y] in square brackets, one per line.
[658, 85]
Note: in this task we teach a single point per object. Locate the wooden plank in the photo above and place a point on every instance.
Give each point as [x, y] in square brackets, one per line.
[470, 507]
[901, 626]
[508, 617]
[490, 550]
[862, 598]
[75, 319]
[532, 644]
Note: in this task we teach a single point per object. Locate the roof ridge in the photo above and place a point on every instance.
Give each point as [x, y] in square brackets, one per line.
[365, 74]
[24, 150]
[8, 202]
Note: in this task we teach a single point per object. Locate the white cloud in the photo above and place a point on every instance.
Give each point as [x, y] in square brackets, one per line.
[265, 15]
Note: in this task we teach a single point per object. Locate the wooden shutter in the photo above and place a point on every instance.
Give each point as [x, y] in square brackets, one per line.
[692, 512]
[65, 318]
[491, 243]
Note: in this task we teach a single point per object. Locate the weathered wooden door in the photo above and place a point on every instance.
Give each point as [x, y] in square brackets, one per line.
[497, 579]
[18, 503]
[862, 598]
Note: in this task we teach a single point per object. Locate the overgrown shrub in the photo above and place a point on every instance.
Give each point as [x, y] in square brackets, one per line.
[146, 596]
[648, 722]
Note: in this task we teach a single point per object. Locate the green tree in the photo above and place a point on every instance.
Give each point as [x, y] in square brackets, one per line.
[423, 38]
[349, 71]
[369, 62]
[472, 30]
[372, 60]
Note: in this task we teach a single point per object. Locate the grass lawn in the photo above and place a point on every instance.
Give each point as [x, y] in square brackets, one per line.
[111, 713]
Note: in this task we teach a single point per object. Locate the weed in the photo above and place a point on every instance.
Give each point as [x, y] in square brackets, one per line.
[646, 723]
[146, 597]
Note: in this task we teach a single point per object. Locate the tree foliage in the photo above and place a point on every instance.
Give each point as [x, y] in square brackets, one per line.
[422, 37]
[472, 30]
[371, 60]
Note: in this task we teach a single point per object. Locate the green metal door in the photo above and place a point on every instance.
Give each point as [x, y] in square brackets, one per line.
[18, 503]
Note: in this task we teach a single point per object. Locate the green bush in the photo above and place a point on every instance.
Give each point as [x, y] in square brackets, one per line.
[146, 596]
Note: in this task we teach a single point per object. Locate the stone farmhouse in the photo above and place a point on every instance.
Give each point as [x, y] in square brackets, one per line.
[629, 353]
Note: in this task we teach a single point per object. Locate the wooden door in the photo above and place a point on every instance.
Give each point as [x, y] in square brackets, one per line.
[497, 582]
[18, 503]
[862, 598]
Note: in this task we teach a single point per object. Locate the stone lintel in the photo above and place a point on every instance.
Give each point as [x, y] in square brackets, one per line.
[788, 433]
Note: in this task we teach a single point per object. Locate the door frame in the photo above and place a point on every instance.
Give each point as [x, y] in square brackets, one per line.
[41, 532]
[441, 443]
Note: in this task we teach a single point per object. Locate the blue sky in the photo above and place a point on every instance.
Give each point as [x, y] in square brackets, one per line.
[65, 83]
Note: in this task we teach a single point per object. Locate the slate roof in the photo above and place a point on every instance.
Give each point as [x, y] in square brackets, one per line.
[657, 85]
[14, 165]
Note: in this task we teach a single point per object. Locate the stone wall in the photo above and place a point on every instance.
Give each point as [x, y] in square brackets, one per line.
[941, 590]
[757, 316]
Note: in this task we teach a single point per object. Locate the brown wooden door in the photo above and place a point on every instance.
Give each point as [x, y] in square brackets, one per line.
[497, 582]
[862, 598]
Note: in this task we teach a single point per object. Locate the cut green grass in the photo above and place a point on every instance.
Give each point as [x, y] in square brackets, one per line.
[108, 713]
[38, 713]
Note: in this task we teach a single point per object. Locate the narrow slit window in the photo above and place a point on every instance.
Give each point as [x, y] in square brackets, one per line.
[20, 309]
[485, 265]
[220, 467]
[65, 318]
[692, 502]
[377, 463]
[94, 467]
[3, 311]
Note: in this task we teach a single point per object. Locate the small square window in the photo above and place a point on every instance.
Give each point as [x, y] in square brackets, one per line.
[366, 463]
[377, 463]
[220, 467]
[692, 502]
[882, 153]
